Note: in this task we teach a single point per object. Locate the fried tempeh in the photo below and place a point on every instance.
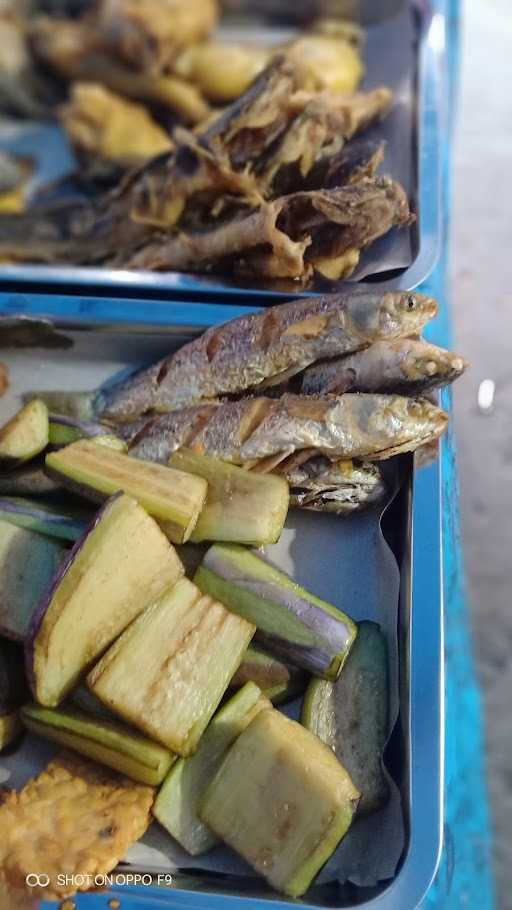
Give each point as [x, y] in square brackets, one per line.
[76, 817]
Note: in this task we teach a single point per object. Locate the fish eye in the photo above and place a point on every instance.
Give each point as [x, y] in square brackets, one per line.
[411, 302]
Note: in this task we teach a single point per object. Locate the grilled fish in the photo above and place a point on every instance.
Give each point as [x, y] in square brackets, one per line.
[280, 341]
[404, 366]
[253, 431]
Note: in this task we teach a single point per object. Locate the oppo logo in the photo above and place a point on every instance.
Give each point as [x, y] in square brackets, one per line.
[33, 880]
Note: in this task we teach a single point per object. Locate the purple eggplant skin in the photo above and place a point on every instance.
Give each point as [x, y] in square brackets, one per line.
[39, 516]
[13, 684]
[40, 612]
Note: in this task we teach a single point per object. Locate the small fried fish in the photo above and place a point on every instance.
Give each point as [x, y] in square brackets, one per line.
[404, 366]
[348, 426]
[281, 340]
[340, 487]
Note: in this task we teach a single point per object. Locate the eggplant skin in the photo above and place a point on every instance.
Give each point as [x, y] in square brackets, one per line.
[13, 684]
[28, 563]
[351, 715]
[293, 624]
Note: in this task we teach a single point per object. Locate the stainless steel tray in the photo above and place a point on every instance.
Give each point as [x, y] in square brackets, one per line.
[411, 22]
[413, 529]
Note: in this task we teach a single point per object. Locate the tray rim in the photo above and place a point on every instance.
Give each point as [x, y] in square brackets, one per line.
[428, 155]
[425, 723]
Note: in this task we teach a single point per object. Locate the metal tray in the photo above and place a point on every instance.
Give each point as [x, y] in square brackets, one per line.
[419, 20]
[413, 530]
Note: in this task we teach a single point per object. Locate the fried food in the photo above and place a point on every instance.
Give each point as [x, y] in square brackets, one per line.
[75, 818]
[244, 353]
[102, 125]
[78, 51]
[148, 34]
[328, 61]
[290, 237]
[222, 72]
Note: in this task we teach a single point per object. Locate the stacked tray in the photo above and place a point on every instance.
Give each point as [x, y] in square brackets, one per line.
[106, 321]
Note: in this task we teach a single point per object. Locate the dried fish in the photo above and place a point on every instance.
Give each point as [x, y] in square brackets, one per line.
[291, 237]
[348, 426]
[283, 339]
[357, 159]
[404, 366]
[324, 121]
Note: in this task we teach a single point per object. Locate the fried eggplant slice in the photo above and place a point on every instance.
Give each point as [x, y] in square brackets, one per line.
[123, 562]
[29, 480]
[169, 670]
[45, 518]
[278, 680]
[64, 430]
[282, 800]
[105, 129]
[177, 804]
[28, 562]
[240, 507]
[25, 435]
[109, 743]
[174, 498]
[74, 816]
[244, 352]
[351, 715]
[405, 366]
[292, 623]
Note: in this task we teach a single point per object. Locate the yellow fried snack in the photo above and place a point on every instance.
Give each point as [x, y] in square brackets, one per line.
[148, 33]
[102, 124]
[328, 62]
[222, 72]
[75, 819]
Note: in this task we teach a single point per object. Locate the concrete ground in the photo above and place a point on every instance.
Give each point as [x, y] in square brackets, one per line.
[482, 298]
